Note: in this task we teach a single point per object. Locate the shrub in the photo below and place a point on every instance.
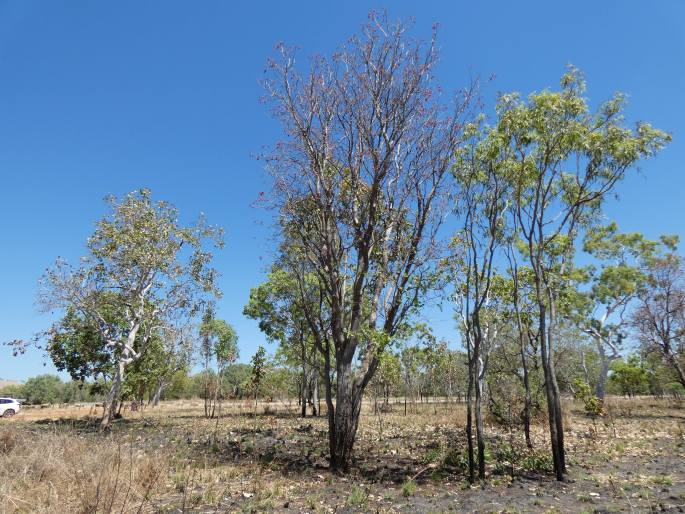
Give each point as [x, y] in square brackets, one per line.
[582, 392]
[409, 488]
[357, 497]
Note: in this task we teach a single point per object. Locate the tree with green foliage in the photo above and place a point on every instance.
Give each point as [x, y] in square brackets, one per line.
[259, 364]
[219, 345]
[629, 377]
[621, 279]
[42, 389]
[387, 377]
[562, 162]
[483, 199]
[144, 272]
[278, 305]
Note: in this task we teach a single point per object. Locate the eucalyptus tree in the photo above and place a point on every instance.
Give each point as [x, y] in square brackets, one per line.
[277, 304]
[484, 198]
[388, 377]
[259, 365]
[564, 161]
[522, 309]
[622, 278]
[167, 353]
[144, 273]
[218, 345]
[660, 316]
[361, 183]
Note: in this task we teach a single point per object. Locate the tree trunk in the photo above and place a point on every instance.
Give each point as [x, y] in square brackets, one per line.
[469, 421]
[603, 372]
[110, 404]
[527, 400]
[346, 420]
[676, 366]
[479, 419]
[551, 392]
[158, 393]
[303, 395]
[315, 393]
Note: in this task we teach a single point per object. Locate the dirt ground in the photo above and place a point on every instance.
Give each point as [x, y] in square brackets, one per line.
[172, 459]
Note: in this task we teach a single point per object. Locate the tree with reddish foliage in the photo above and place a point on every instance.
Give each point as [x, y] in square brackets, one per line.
[361, 185]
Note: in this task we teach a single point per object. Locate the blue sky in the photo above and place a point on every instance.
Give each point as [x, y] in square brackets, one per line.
[106, 97]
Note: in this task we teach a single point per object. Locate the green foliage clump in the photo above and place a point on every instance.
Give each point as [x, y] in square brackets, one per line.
[409, 488]
[538, 462]
[583, 392]
[629, 377]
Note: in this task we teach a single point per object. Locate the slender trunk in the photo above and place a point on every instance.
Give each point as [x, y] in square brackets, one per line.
[330, 408]
[527, 399]
[550, 393]
[559, 418]
[469, 420]
[315, 393]
[479, 420]
[603, 371]
[207, 391]
[303, 395]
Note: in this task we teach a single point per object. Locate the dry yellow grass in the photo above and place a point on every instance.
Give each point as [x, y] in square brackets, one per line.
[58, 471]
[171, 458]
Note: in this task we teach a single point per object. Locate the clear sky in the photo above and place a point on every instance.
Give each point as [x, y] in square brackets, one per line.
[107, 97]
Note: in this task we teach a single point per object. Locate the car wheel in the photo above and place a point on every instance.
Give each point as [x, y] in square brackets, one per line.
[8, 413]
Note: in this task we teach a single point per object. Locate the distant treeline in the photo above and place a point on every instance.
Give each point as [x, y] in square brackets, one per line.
[423, 374]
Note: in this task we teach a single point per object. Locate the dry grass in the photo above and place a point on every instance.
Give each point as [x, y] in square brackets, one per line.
[57, 471]
[172, 459]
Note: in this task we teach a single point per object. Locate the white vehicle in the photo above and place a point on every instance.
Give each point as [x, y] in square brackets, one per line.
[9, 407]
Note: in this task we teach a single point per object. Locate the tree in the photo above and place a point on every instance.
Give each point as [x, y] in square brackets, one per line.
[484, 200]
[387, 377]
[258, 372]
[75, 345]
[165, 356]
[144, 272]
[622, 278]
[564, 161]
[278, 306]
[43, 389]
[629, 377]
[360, 185]
[235, 377]
[219, 344]
[660, 315]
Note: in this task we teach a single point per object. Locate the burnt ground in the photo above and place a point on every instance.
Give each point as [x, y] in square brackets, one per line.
[629, 460]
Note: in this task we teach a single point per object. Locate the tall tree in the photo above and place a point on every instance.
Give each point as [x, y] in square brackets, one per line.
[141, 265]
[360, 182]
[484, 198]
[564, 161]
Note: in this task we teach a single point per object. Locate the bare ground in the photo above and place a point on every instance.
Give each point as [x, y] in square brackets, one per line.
[171, 459]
